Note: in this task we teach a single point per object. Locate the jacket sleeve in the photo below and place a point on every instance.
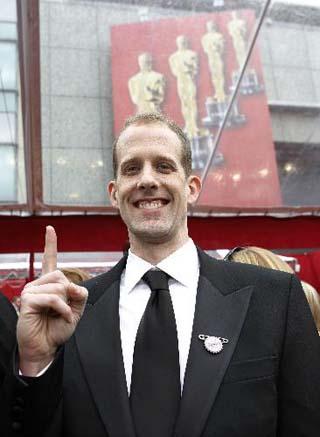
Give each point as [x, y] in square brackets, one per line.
[299, 378]
[32, 407]
[8, 322]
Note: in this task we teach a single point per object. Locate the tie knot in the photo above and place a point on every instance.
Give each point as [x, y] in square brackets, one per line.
[156, 279]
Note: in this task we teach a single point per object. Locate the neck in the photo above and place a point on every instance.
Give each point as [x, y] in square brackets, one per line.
[154, 252]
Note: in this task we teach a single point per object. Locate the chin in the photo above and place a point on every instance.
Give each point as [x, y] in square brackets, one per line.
[152, 233]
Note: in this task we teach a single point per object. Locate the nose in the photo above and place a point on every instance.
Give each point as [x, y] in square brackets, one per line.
[147, 178]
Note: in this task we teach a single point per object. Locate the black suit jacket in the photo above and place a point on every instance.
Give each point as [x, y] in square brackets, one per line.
[8, 320]
[265, 382]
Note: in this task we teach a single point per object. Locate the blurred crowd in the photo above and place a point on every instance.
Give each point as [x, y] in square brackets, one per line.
[248, 255]
[266, 258]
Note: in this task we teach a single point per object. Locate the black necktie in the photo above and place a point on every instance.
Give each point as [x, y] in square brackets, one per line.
[155, 384]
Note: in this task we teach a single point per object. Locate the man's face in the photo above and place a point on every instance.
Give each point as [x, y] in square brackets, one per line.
[151, 189]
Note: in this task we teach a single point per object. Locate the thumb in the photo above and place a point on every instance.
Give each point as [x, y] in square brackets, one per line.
[77, 297]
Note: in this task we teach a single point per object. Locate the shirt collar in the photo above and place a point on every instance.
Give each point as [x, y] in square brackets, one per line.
[182, 265]
[136, 267]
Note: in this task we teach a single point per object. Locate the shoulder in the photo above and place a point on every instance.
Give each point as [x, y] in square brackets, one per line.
[100, 284]
[229, 276]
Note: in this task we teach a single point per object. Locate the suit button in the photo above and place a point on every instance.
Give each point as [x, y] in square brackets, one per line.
[16, 426]
[17, 411]
[19, 401]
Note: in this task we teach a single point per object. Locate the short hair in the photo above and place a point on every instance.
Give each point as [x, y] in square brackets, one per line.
[153, 118]
[259, 257]
[313, 299]
[266, 258]
[75, 275]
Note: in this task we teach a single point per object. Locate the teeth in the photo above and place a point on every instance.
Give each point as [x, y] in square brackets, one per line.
[150, 205]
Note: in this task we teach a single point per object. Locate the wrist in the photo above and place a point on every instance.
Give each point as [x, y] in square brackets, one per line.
[35, 365]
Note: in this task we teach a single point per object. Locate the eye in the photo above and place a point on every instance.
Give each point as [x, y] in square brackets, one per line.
[131, 169]
[165, 167]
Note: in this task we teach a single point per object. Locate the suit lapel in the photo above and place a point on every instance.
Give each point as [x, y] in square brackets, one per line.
[216, 314]
[99, 345]
[220, 311]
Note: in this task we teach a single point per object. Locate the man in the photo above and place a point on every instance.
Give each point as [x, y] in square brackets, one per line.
[249, 353]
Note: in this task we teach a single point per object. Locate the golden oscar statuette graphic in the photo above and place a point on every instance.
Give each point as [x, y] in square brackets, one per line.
[184, 66]
[213, 45]
[216, 105]
[238, 31]
[147, 87]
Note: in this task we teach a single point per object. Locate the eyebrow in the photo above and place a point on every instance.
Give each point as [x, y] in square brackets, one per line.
[129, 161]
[167, 159]
[156, 159]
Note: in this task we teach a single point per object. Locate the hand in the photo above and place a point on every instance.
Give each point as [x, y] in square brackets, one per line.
[50, 310]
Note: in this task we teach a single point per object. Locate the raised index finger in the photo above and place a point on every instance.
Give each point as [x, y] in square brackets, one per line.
[49, 260]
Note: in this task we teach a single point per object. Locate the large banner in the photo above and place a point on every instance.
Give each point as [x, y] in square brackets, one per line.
[187, 68]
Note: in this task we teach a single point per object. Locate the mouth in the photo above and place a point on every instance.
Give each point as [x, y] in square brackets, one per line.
[151, 203]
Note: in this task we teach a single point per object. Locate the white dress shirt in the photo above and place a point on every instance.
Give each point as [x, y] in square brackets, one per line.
[183, 267]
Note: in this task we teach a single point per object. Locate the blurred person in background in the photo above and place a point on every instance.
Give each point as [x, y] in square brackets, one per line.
[75, 275]
[313, 299]
[265, 258]
[258, 257]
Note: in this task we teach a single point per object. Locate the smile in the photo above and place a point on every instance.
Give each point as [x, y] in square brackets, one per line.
[151, 204]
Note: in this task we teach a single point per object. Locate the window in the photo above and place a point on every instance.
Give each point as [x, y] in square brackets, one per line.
[8, 167]
[11, 144]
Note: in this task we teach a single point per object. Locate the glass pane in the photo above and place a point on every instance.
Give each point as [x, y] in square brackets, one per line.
[8, 31]
[12, 162]
[8, 174]
[294, 96]
[8, 65]
[7, 128]
[103, 61]
[8, 10]
[270, 159]
[8, 102]
[250, 108]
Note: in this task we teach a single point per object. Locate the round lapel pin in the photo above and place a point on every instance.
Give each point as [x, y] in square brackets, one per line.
[213, 344]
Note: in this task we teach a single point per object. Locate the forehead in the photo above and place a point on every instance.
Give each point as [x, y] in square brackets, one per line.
[147, 138]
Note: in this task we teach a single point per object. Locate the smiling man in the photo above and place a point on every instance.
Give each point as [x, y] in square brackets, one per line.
[153, 185]
[170, 342]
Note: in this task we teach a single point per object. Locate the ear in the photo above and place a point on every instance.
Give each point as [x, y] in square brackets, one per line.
[113, 193]
[194, 185]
